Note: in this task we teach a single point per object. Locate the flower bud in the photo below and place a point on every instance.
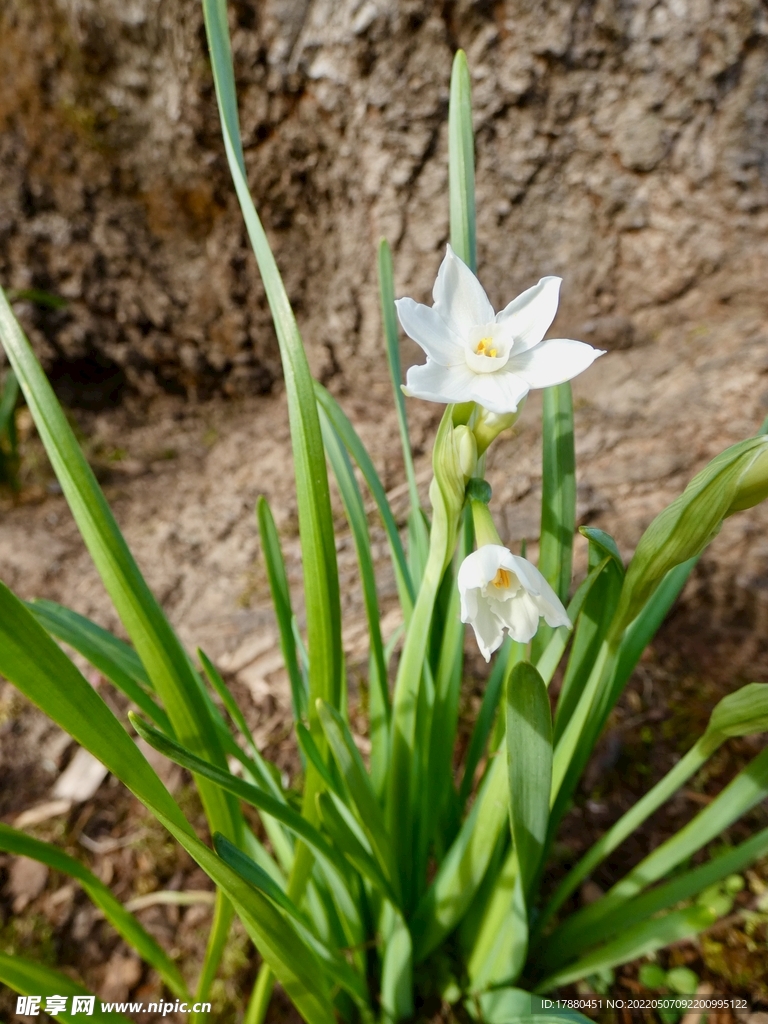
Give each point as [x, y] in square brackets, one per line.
[753, 484]
[734, 480]
[490, 424]
[466, 449]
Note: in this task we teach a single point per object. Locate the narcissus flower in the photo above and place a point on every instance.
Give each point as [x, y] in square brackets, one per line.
[474, 355]
[501, 591]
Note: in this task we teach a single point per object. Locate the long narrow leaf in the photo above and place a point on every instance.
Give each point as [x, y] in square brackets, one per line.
[32, 979]
[281, 600]
[529, 767]
[745, 791]
[114, 659]
[642, 940]
[461, 163]
[558, 499]
[361, 790]
[35, 664]
[321, 583]
[392, 345]
[21, 845]
[682, 887]
[338, 969]
[251, 794]
[355, 512]
[158, 647]
[362, 460]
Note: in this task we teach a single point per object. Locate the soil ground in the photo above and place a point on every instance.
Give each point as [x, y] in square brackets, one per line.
[183, 479]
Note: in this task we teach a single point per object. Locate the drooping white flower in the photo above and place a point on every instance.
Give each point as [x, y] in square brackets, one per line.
[474, 355]
[501, 591]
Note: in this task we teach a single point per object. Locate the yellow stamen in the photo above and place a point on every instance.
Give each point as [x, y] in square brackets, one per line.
[502, 579]
[483, 350]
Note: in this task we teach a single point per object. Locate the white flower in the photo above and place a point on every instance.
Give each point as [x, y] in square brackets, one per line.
[476, 356]
[501, 591]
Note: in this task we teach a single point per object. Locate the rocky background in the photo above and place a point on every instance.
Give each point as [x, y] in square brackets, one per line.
[621, 143]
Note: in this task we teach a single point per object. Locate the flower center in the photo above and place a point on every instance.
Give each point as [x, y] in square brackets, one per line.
[502, 579]
[485, 347]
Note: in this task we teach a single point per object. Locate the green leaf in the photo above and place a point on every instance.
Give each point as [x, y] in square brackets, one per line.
[392, 344]
[31, 979]
[344, 839]
[403, 798]
[529, 768]
[484, 723]
[558, 508]
[642, 940]
[338, 969]
[499, 950]
[462, 871]
[547, 664]
[558, 499]
[281, 600]
[361, 790]
[40, 670]
[21, 845]
[746, 790]
[362, 460]
[321, 582]
[594, 622]
[246, 791]
[461, 163]
[164, 659]
[310, 750]
[681, 887]
[379, 691]
[117, 661]
[601, 545]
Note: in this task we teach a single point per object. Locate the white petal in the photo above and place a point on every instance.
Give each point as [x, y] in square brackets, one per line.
[552, 362]
[435, 383]
[459, 297]
[532, 312]
[521, 617]
[498, 392]
[480, 567]
[489, 631]
[544, 597]
[428, 329]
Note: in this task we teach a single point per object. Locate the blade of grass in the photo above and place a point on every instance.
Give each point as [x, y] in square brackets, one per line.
[114, 659]
[746, 790]
[39, 669]
[529, 768]
[32, 979]
[161, 653]
[681, 888]
[337, 969]
[392, 345]
[253, 795]
[642, 940]
[558, 500]
[461, 163]
[362, 460]
[21, 845]
[738, 714]
[345, 840]
[484, 723]
[361, 790]
[462, 871]
[379, 718]
[281, 601]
